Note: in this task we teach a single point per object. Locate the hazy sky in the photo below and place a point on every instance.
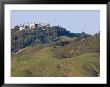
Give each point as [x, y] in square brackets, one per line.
[74, 21]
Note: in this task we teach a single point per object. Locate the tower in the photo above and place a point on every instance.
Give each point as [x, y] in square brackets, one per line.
[32, 25]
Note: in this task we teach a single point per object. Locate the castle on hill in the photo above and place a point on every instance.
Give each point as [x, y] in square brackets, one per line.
[32, 25]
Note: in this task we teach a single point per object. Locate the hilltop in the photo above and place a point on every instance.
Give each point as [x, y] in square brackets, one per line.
[41, 34]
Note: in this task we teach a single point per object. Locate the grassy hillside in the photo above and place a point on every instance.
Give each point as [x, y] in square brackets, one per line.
[78, 58]
[78, 47]
[43, 63]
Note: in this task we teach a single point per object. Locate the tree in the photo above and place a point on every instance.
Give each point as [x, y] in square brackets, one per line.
[16, 27]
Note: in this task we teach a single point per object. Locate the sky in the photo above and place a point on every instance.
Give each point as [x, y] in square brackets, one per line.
[75, 21]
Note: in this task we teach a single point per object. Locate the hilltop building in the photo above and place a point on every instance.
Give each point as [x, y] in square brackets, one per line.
[32, 25]
[21, 27]
[43, 25]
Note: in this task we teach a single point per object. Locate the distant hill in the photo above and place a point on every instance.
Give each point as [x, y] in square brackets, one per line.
[41, 35]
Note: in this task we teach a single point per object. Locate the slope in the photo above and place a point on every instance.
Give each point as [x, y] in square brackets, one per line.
[43, 63]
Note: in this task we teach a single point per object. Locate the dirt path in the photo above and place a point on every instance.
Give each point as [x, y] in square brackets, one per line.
[19, 51]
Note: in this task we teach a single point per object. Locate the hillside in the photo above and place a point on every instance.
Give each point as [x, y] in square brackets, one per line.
[42, 63]
[41, 35]
[78, 47]
[78, 58]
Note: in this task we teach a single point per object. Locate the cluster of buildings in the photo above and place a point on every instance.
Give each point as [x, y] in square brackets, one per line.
[32, 25]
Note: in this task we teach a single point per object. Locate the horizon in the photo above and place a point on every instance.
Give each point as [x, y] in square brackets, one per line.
[89, 20]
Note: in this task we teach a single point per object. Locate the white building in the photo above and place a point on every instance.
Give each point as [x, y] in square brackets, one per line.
[44, 25]
[21, 27]
[32, 25]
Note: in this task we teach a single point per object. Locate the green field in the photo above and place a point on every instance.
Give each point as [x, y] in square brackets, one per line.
[42, 63]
